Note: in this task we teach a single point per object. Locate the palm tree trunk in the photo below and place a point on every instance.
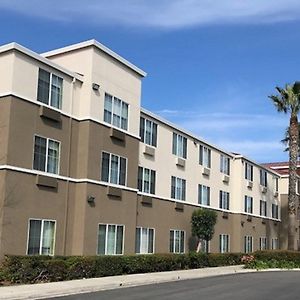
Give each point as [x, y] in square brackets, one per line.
[292, 196]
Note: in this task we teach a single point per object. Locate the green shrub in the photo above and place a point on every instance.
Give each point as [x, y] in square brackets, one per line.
[33, 269]
[275, 259]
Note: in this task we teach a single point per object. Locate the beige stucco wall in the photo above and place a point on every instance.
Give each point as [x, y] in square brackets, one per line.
[6, 72]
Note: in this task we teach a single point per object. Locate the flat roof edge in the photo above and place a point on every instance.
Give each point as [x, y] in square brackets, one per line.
[99, 46]
[38, 57]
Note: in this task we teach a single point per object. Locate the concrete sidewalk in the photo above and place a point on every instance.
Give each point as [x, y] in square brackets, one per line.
[56, 289]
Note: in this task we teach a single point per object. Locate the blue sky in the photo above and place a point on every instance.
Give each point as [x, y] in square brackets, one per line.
[211, 64]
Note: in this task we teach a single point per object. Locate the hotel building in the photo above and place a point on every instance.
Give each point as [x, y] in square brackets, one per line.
[85, 170]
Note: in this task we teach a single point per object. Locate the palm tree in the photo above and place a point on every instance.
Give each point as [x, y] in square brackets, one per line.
[286, 139]
[288, 101]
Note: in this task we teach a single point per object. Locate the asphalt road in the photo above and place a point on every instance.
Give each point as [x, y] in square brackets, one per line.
[254, 286]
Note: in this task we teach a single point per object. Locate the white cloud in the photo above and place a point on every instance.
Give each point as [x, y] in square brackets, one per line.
[159, 13]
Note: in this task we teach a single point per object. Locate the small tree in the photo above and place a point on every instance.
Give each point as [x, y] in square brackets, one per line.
[203, 225]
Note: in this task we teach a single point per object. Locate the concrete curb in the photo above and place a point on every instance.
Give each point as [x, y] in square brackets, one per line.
[59, 289]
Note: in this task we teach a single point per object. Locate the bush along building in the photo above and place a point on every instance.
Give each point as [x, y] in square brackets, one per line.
[84, 170]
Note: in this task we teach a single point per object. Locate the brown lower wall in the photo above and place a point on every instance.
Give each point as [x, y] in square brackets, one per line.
[77, 220]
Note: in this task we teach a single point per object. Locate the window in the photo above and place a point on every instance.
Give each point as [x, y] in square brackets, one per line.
[224, 164]
[224, 200]
[113, 168]
[50, 89]
[262, 243]
[46, 155]
[205, 156]
[298, 186]
[146, 180]
[179, 145]
[224, 243]
[177, 241]
[144, 240]
[274, 244]
[263, 178]
[248, 242]
[178, 187]
[275, 211]
[41, 237]
[248, 204]
[203, 194]
[204, 246]
[110, 239]
[276, 184]
[148, 132]
[248, 171]
[115, 112]
[263, 208]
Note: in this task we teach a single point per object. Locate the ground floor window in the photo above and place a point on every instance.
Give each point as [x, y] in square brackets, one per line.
[248, 243]
[144, 240]
[41, 237]
[203, 246]
[224, 243]
[263, 243]
[274, 244]
[110, 239]
[177, 241]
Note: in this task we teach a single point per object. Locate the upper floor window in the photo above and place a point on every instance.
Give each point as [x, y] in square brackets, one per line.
[148, 132]
[224, 164]
[178, 187]
[46, 155]
[276, 184]
[113, 168]
[146, 180]
[263, 178]
[41, 237]
[144, 240]
[248, 171]
[179, 145]
[50, 89]
[203, 194]
[248, 204]
[275, 214]
[115, 112]
[224, 200]
[263, 208]
[205, 156]
[110, 239]
[177, 241]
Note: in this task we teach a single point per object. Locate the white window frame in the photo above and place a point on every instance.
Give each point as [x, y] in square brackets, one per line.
[225, 199]
[50, 90]
[106, 230]
[151, 132]
[263, 241]
[274, 243]
[248, 241]
[224, 164]
[249, 199]
[47, 150]
[179, 186]
[147, 241]
[263, 178]
[206, 156]
[112, 112]
[265, 210]
[248, 171]
[109, 168]
[41, 234]
[205, 191]
[177, 150]
[174, 242]
[221, 238]
[143, 181]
